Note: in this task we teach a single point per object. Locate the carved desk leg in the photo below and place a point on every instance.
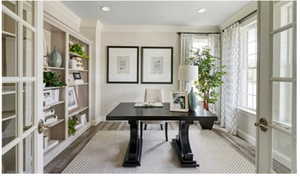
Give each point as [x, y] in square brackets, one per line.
[134, 150]
[182, 145]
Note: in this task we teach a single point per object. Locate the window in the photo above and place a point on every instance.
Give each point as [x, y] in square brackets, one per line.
[248, 66]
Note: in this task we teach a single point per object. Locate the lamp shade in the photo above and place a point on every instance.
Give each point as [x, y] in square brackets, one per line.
[188, 73]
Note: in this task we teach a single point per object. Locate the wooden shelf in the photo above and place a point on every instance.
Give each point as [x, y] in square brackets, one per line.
[76, 55]
[78, 111]
[8, 34]
[9, 92]
[52, 88]
[50, 106]
[53, 68]
[8, 118]
[74, 85]
[78, 70]
[52, 124]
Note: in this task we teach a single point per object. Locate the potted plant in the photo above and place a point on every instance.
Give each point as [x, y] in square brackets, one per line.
[209, 76]
[51, 79]
[71, 126]
[77, 49]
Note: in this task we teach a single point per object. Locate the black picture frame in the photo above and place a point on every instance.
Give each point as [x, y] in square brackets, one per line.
[76, 75]
[142, 64]
[107, 65]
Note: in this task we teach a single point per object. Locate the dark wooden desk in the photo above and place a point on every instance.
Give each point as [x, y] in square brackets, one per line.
[127, 111]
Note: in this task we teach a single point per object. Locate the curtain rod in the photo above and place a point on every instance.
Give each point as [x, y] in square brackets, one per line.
[240, 20]
[198, 33]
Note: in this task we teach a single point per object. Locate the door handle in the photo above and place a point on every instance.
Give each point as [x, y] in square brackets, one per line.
[262, 124]
[42, 127]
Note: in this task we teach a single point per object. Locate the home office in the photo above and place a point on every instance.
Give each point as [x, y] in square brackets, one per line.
[100, 86]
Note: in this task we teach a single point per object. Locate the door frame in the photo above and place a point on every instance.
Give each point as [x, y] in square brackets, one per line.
[265, 78]
[36, 79]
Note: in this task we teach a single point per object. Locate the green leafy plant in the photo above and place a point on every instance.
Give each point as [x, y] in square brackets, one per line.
[210, 76]
[77, 48]
[51, 79]
[71, 126]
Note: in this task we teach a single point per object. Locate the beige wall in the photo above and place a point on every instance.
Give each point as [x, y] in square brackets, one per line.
[112, 94]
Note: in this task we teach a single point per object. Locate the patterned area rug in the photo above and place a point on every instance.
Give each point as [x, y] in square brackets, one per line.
[104, 153]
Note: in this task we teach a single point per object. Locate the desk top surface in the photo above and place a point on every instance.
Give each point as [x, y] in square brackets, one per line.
[127, 111]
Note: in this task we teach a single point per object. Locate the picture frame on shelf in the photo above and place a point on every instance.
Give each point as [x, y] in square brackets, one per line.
[72, 99]
[77, 75]
[122, 64]
[157, 65]
[179, 102]
[50, 97]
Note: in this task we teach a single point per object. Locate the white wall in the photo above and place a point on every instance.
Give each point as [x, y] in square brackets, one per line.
[112, 94]
[92, 30]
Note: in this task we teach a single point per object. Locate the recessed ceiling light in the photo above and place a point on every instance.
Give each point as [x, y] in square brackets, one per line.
[105, 8]
[202, 10]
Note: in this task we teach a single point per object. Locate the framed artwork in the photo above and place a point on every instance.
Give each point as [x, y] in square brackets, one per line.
[157, 65]
[72, 98]
[122, 64]
[179, 102]
[76, 76]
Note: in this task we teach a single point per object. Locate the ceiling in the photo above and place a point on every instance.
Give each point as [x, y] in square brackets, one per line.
[157, 13]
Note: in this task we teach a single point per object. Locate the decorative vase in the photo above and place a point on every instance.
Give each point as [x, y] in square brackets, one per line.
[192, 100]
[55, 59]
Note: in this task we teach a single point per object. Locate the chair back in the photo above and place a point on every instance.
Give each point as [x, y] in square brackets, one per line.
[153, 95]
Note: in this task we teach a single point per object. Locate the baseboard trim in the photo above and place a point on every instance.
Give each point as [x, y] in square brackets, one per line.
[250, 139]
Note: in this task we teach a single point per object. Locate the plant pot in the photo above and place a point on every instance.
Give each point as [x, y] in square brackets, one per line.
[205, 105]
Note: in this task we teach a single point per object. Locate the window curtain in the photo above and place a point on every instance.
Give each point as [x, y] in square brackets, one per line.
[230, 88]
[213, 43]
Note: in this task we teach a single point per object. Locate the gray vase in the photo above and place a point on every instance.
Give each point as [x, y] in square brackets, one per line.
[55, 59]
[193, 101]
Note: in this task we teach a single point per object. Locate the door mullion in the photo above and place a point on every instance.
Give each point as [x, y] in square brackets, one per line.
[20, 90]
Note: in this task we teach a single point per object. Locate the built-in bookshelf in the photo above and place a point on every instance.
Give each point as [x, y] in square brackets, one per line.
[68, 100]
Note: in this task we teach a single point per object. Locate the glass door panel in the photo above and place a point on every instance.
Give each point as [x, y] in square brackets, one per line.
[28, 52]
[9, 161]
[282, 13]
[28, 12]
[11, 5]
[28, 105]
[28, 154]
[283, 54]
[9, 47]
[9, 113]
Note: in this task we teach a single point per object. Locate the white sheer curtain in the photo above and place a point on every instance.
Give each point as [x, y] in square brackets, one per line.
[230, 88]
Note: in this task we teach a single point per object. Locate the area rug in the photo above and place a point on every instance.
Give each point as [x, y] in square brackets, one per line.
[104, 153]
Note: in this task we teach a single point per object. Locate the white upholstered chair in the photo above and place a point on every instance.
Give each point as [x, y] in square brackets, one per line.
[154, 96]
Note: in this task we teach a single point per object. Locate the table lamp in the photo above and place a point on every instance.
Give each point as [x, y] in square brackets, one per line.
[188, 74]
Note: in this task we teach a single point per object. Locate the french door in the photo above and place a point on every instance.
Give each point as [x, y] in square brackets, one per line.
[21, 88]
[276, 120]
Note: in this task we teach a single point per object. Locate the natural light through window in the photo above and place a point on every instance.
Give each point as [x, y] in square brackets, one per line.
[248, 66]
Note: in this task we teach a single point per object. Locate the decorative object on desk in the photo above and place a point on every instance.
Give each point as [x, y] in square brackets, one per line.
[79, 50]
[179, 102]
[193, 100]
[122, 64]
[72, 98]
[52, 79]
[55, 59]
[188, 74]
[157, 65]
[209, 77]
[71, 126]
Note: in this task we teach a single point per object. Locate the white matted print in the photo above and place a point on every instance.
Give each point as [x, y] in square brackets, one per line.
[157, 65]
[122, 64]
[72, 98]
[179, 102]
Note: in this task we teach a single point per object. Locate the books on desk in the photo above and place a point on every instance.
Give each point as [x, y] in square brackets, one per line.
[148, 105]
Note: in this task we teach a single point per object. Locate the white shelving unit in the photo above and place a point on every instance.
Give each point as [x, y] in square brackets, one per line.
[61, 37]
